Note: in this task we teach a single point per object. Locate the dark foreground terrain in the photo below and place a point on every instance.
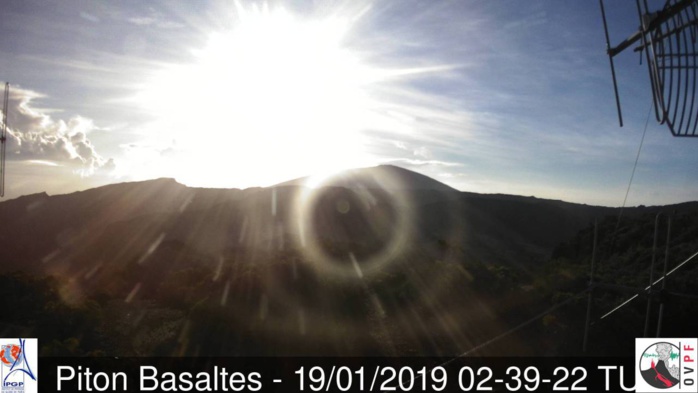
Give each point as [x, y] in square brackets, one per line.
[378, 261]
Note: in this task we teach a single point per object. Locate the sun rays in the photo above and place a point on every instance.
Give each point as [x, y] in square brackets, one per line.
[274, 89]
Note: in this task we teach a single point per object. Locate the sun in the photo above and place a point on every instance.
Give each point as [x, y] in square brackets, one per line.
[275, 96]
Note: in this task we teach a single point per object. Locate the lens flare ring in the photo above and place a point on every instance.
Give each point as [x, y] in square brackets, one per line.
[351, 266]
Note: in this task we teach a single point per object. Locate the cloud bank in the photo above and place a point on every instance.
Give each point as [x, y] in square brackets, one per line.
[35, 135]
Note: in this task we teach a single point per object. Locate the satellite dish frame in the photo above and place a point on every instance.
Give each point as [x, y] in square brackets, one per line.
[651, 23]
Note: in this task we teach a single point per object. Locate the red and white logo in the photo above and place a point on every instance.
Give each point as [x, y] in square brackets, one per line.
[666, 365]
[18, 365]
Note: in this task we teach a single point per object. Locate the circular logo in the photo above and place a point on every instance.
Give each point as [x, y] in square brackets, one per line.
[10, 354]
[659, 365]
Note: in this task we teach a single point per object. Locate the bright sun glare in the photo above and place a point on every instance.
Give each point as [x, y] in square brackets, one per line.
[275, 97]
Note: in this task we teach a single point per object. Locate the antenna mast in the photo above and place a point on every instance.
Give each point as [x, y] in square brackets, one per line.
[3, 139]
[669, 39]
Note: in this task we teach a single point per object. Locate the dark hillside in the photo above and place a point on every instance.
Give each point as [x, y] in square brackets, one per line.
[376, 261]
[624, 260]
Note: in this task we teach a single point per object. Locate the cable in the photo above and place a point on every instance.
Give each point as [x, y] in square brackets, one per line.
[520, 326]
[555, 307]
[512, 330]
[637, 158]
[577, 295]
[632, 176]
[648, 287]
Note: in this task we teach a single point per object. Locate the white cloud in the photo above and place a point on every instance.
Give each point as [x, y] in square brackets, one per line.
[419, 163]
[89, 17]
[423, 152]
[142, 20]
[400, 145]
[155, 19]
[34, 135]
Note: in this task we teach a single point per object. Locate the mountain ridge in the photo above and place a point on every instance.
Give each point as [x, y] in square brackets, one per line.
[366, 177]
[246, 263]
[382, 176]
[496, 227]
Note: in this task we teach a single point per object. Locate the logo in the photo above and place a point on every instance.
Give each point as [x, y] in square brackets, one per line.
[18, 372]
[10, 354]
[665, 365]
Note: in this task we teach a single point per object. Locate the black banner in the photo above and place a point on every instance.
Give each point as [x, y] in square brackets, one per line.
[336, 374]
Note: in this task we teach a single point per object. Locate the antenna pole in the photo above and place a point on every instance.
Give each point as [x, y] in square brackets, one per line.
[3, 139]
[610, 58]
[651, 287]
[668, 38]
[666, 261]
[591, 287]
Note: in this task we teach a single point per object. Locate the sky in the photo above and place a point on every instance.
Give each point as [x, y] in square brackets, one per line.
[496, 96]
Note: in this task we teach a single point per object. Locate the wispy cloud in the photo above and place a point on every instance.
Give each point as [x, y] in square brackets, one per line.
[42, 163]
[419, 163]
[152, 21]
[153, 18]
[89, 17]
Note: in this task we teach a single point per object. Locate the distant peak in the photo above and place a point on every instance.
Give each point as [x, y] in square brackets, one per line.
[160, 180]
[385, 176]
[164, 180]
[32, 197]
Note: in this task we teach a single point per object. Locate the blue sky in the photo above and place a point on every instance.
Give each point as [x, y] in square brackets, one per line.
[487, 96]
